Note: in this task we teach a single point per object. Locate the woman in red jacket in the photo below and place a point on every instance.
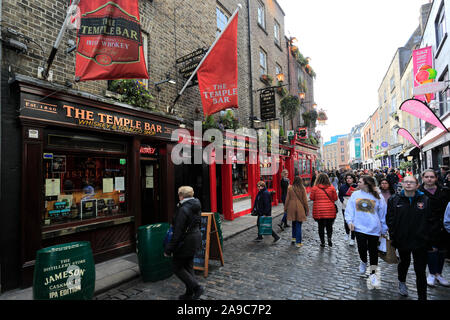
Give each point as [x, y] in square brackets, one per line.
[324, 195]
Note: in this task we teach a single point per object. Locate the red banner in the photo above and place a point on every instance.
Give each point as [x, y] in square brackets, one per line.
[109, 41]
[218, 74]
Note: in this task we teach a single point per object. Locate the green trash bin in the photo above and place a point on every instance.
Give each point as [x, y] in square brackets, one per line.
[150, 251]
[64, 272]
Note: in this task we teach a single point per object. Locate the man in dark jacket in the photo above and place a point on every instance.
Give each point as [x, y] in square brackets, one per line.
[186, 241]
[393, 179]
[263, 207]
[410, 222]
[284, 183]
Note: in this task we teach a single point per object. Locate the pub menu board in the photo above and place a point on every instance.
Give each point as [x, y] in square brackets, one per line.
[211, 246]
[267, 104]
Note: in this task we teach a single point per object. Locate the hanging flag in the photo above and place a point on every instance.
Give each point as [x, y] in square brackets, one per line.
[408, 136]
[218, 74]
[423, 70]
[420, 110]
[109, 41]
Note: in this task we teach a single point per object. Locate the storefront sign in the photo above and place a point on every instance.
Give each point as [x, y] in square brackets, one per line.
[267, 104]
[148, 150]
[55, 111]
[302, 133]
[239, 143]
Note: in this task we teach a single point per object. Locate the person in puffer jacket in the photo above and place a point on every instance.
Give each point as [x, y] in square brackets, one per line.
[366, 215]
[186, 241]
[324, 196]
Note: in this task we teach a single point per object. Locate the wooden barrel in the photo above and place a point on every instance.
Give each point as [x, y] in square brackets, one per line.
[150, 251]
[64, 272]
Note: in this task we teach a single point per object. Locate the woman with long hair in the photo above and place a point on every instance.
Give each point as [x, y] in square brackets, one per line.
[345, 192]
[296, 206]
[439, 198]
[324, 197]
[386, 189]
[366, 215]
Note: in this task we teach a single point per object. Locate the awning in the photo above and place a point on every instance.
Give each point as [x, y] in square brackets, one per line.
[436, 137]
[411, 151]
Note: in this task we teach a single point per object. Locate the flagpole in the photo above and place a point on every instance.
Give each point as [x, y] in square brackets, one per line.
[206, 55]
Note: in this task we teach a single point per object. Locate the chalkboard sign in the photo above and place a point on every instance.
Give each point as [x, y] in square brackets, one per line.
[267, 104]
[210, 247]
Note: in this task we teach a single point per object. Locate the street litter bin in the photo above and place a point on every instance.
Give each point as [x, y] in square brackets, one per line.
[64, 272]
[150, 251]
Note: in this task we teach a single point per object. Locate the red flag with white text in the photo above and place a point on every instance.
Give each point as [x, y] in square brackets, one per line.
[109, 41]
[218, 74]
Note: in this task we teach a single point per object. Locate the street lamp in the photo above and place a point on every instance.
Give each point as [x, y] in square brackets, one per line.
[280, 77]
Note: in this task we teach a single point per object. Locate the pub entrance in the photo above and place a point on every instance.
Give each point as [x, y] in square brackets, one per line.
[150, 195]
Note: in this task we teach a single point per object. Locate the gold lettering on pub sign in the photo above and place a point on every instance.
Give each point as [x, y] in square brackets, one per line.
[106, 121]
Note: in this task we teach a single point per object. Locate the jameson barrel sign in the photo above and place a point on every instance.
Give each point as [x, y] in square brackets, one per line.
[109, 41]
[56, 111]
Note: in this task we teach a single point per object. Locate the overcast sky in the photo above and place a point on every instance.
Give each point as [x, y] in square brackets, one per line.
[351, 44]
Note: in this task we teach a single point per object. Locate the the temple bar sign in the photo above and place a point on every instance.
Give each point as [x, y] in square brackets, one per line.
[56, 111]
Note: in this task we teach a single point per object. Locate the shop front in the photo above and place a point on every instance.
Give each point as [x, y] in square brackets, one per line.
[233, 183]
[90, 171]
[304, 159]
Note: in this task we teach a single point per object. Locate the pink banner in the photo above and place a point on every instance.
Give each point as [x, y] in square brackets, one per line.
[420, 110]
[422, 65]
[408, 136]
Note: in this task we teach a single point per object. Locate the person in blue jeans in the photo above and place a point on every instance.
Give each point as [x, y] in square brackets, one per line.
[296, 206]
[284, 187]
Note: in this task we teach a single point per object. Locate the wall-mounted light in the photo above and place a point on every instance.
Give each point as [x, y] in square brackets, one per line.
[409, 158]
[255, 119]
[169, 80]
[302, 95]
[280, 77]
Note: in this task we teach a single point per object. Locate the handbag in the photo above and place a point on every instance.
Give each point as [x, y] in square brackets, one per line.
[335, 206]
[265, 225]
[387, 252]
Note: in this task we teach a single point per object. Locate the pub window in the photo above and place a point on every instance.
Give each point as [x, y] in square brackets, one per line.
[262, 62]
[80, 185]
[266, 173]
[222, 19]
[261, 15]
[240, 179]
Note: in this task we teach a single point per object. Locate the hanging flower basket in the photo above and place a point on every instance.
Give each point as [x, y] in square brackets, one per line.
[266, 79]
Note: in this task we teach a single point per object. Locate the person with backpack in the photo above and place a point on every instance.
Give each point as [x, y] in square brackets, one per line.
[296, 206]
[324, 197]
[409, 219]
[345, 192]
[439, 198]
[366, 215]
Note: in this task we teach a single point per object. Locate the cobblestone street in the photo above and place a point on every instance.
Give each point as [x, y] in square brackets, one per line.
[266, 271]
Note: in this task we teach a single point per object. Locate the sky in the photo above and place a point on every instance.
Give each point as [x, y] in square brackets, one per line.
[351, 44]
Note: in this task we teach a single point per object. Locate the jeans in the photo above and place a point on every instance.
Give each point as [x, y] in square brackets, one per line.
[367, 242]
[436, 261]
[284, 219]
[325, 224]
[297, 231]
[183, 268]
[347, 229]
[420, 265]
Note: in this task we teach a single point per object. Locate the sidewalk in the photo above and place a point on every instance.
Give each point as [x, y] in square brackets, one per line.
[114, 272]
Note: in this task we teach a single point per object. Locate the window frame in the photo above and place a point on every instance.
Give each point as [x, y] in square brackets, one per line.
[261, 15]
[263, 54]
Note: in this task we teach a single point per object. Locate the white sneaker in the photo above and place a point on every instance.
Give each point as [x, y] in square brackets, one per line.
[374, 281]
[347, 237]
[351, 243]
[442, 281]
[362, 268]
[431, 280]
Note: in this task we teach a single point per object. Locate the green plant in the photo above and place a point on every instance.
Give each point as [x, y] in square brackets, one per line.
[404, 165]
[266, 78]
[209, 123]
[229, 121]
[289, 107]
[133, 92]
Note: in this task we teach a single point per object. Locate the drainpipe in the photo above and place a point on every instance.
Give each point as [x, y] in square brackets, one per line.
[252, 114]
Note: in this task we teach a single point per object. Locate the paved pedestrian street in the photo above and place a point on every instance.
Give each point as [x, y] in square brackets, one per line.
[267, 271]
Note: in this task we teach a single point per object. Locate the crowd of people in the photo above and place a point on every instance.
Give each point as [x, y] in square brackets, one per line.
[411, 211]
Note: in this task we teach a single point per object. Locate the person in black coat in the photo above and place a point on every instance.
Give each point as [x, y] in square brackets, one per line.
[263, 207]
[410, 222]
[186, 241]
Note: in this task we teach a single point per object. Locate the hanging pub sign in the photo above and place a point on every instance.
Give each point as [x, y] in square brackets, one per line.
[302, 133]
[267, 104]
[189, 63]
[109, 41]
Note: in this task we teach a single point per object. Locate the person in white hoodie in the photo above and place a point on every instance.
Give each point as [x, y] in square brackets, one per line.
[366, 215]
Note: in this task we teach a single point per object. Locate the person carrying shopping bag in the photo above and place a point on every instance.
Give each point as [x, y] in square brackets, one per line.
[296, 206]
[263, 208]
[324, 197]
[366, 215]
[410, 222]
